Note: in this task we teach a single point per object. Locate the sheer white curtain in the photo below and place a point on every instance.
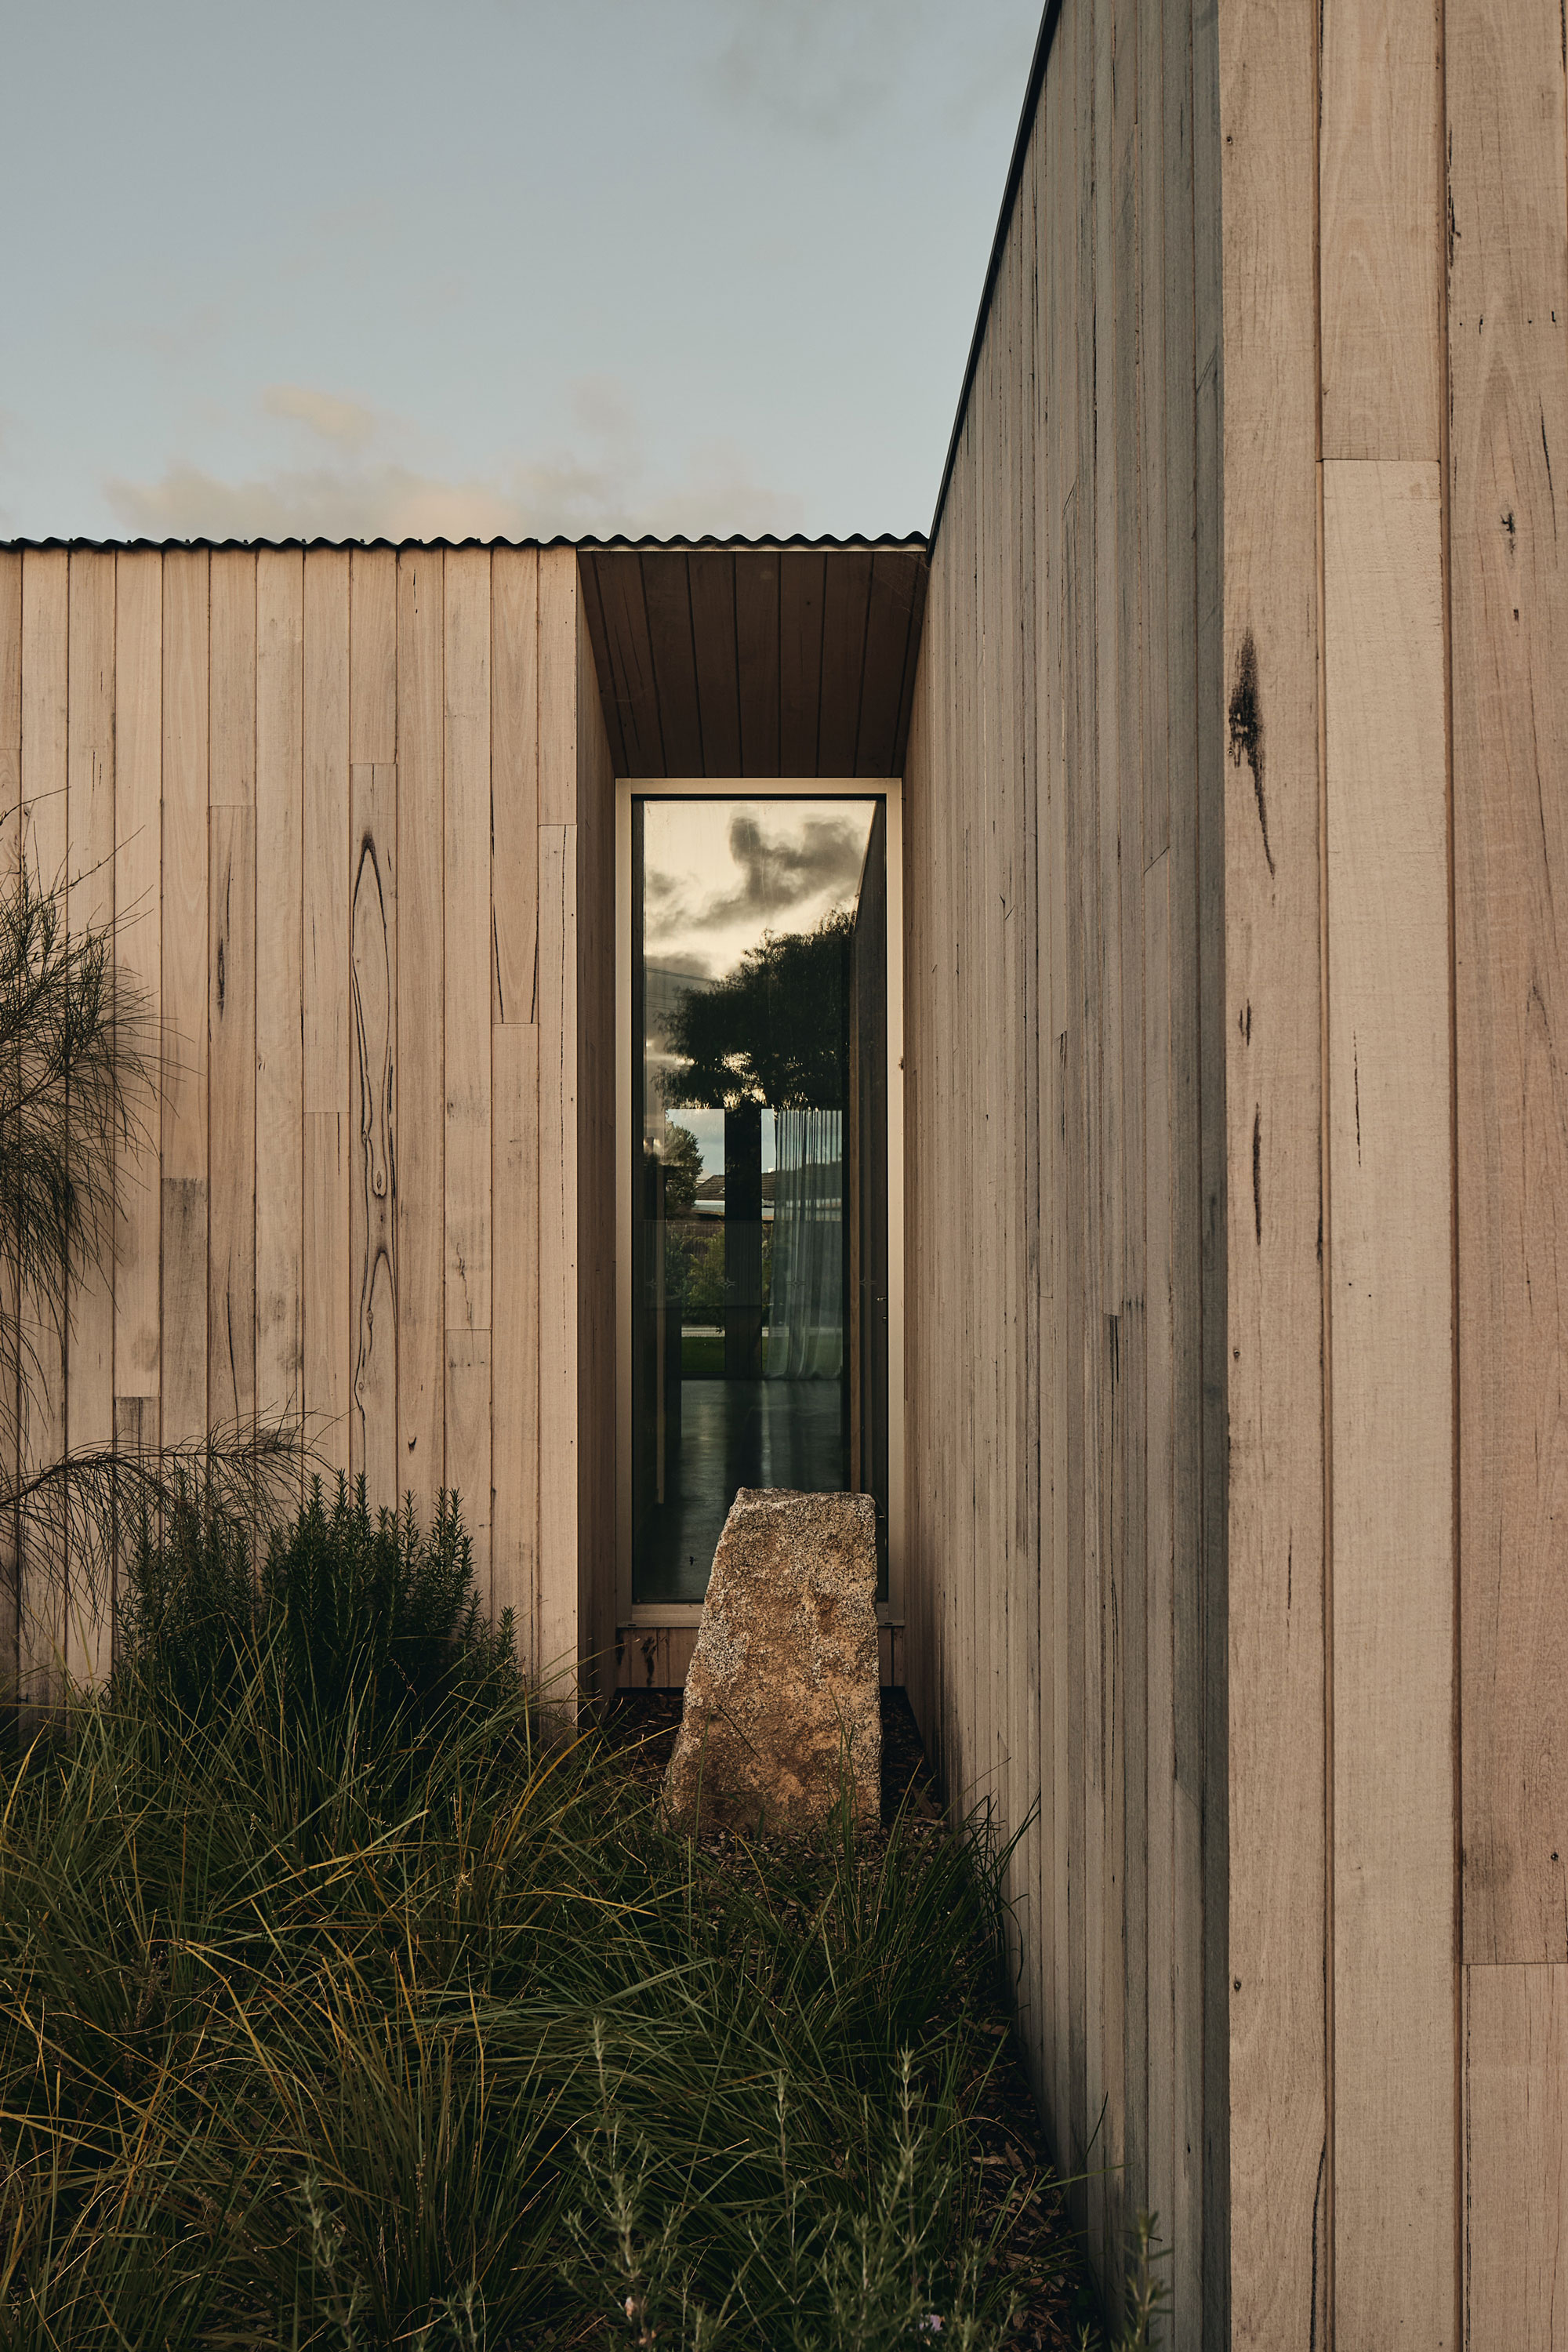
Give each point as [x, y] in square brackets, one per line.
[806, 1318]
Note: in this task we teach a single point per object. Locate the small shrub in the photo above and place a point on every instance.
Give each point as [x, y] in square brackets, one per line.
[350, 1613]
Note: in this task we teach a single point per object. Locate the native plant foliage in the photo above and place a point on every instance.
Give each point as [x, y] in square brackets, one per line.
[772, 1031]
[79, 1094]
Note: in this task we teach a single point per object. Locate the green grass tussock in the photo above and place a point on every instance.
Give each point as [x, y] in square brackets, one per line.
[341, 2005]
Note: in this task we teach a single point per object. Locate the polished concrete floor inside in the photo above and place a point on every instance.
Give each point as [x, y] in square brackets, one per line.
[734, 1433]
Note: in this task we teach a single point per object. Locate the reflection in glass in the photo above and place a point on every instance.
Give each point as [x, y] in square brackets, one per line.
[758, 1243]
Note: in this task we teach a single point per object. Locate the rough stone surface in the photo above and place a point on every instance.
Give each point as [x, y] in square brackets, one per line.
[783, 1697]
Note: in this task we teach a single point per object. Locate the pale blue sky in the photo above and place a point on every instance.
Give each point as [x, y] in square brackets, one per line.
[498, 265]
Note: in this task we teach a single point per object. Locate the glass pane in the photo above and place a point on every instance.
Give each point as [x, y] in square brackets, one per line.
[759, 1230]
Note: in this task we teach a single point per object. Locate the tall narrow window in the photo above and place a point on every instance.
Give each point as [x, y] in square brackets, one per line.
[759, 1340]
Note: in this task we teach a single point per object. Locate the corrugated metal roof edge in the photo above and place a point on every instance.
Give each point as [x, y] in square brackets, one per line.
[910, 542]
[1049, 20]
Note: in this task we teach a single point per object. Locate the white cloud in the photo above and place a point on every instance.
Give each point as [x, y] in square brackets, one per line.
[348, 423]
[359, 483]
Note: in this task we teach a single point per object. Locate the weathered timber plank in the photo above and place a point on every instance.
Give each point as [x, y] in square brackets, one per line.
[1278, 2212]
[138, 907]
[183, 1160]
[514, 782]
[1393, 1423]
[1380, 153]
[90, 905]
[1508, 603]
[325, 949]
[372, 1191]
[468, 1216]
[1516, 2158]
[421, 1076]
[279, 982]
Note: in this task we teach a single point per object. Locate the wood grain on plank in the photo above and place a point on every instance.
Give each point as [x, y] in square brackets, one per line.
[558, 1332]
[711, 577]
[90, 907]
[672, 652]
[372, 1188]
[232, 775]
[1509, 600]
[231, 1111]
[279, 983]
[183, 1206]
[514, 1332]
[468, 1167]
[558, 687]
[757, 659]
[801, 587]
[46, 632]
[631, 656]
[372, 656]
[231, 993]
[1379, 156]
[1393, 1435]
[422, 947]
[1516, 2158]
[138, 907]
[326, 916]
[1278, 2220]
[514, 781]
[845, 601]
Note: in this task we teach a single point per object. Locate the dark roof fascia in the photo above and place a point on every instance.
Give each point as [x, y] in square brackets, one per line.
[737, 545]
[1048, 21]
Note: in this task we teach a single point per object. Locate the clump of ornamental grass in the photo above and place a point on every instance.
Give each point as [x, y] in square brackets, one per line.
[343, 2001]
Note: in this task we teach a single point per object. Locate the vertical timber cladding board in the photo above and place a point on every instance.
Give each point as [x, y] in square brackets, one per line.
[1380, 149]
[373, 981]
[184, 1195]
[329, 1125]
[373, 1261]
[514, 1062]
[279, 981]
[1154, 1993]
[1390, 1198]
[1192, 2222]
[469, 1166]
[514, 1082]
[422, 938]
[10, 874]
[231, 993]
[46, 606]
[1056, 426]
[671, 649]
[44, 629]
[558, 1135]
[1125, 1292]
[138, 900]
[89, 905]
[514, 782]
[712, 578]
[1392, 1340]
[1516, 2149]
[596, 1189]
[1509, 394]
[1278, 2267]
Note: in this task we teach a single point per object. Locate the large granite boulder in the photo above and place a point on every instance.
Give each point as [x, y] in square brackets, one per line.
[783, 1698]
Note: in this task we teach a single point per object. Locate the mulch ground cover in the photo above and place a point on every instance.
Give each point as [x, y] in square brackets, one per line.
[1039, 2246]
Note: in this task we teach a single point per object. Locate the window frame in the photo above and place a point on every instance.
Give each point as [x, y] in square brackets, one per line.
[889, 788]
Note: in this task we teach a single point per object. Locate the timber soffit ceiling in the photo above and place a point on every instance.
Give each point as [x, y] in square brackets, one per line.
[792, 659]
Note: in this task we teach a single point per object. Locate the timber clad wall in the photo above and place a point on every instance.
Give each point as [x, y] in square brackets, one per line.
[353, 814]
[1065, 1074]
[1236, 971]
